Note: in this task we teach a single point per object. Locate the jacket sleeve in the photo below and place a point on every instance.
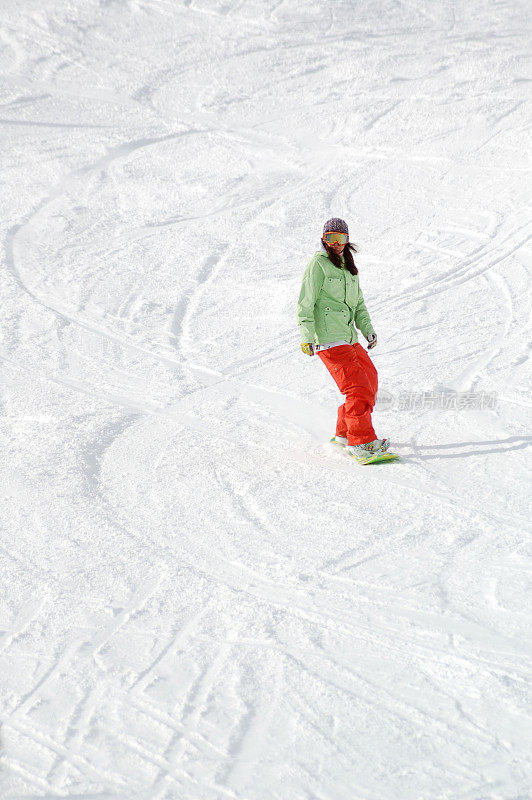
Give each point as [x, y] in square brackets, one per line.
[310, 289]
[362, 319]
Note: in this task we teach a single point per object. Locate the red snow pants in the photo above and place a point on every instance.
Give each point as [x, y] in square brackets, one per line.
[356, 377]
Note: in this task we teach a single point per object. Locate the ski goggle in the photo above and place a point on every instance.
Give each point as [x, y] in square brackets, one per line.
[335, 237]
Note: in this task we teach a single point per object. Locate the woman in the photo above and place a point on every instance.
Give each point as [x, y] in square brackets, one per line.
[330, 305]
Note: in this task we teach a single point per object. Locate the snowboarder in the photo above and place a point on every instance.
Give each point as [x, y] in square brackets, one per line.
[330, 305]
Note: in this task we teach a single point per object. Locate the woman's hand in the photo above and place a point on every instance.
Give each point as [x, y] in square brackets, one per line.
[308, 349]
[372, 340]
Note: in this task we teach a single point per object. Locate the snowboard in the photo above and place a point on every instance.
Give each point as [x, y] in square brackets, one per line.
[375, 458]
[371, 458]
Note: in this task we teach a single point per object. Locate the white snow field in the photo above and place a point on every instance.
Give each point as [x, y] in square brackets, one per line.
[201, 598]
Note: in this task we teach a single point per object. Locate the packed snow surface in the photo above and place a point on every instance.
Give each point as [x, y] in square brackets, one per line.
[202, 599]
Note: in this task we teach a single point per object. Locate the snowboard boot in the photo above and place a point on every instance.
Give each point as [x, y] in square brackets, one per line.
[340, 441]
[360, 451]
[380, 444]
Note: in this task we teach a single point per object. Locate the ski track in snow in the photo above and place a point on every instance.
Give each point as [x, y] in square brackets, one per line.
[202, 600]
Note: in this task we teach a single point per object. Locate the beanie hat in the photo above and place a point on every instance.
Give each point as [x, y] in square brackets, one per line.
[336, 224]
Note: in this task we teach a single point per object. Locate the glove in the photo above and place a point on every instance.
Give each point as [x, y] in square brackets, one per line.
[372, 340]
[308, 349]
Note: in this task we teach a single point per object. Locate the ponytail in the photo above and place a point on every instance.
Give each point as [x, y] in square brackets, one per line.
[349, 263]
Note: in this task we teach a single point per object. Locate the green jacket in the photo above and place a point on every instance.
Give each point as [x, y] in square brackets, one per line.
[330, 301]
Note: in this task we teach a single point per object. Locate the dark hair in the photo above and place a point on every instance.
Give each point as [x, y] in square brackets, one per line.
[349, 264]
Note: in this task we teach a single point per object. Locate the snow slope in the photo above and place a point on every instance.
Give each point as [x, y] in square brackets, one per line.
[200, 599]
